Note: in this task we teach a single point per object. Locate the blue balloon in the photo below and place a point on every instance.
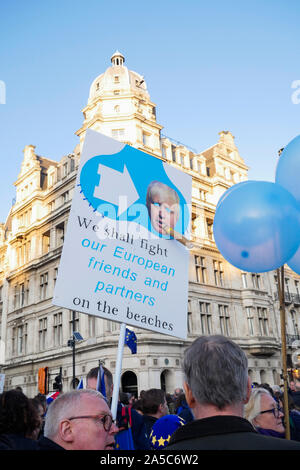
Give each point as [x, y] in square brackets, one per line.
[257, 226]
[288, 168]
[229, 190]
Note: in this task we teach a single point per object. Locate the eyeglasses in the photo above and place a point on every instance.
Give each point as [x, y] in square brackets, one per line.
[106, 420]
[276, 411]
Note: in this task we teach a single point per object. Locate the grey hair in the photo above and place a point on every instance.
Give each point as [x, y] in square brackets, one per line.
[63, 407]
[216, 370]
[253, 407]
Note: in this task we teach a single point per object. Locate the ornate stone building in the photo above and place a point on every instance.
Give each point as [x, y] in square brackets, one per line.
[222, 299]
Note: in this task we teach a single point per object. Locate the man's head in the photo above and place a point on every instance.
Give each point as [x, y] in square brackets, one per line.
[177, 392]
[216, 375]
[92, 377]
[154, 402]
[163, 206]
[297, 385]
[80, 420]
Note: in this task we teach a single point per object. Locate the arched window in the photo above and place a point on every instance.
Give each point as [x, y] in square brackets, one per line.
[166, 381]
[129, 383]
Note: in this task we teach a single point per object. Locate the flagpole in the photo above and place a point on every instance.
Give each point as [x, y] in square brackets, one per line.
[117, 378]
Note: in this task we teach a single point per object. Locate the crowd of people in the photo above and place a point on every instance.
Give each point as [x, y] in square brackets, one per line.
[218, 408]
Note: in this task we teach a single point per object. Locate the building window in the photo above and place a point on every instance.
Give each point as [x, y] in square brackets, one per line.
[263, 321]
[202, 195]
[173, 150]
[116, 79]
[76, 323]
[57, 329]
[146, 139]
[112, 326]
[250, 320]
[43, 285]
[205, 318]
[224, 319]
[46, 242]
[118, 133]
[244, 280]
[117, 108]
[218, 273]
[294, 321]
[60, 234]
[207, 171]
[116, 92]
[16, 299]
[22, 294]
[182, 157]
[256, 281]
[65, 197]
[65, 169]
[22, 339]
[200, 269]
[42, 333]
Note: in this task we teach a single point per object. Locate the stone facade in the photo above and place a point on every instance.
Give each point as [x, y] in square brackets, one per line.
[222, 299]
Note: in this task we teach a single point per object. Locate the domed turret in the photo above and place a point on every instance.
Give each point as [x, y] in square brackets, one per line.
[117, 79]
[119, 106]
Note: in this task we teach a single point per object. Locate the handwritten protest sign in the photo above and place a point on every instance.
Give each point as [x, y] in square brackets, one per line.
[119, 260]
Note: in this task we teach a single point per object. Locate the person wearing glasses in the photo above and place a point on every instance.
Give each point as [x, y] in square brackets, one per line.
[79, 420]
[217, 388]
[265, 413]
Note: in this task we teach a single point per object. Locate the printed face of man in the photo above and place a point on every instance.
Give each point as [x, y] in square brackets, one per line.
[163, 214]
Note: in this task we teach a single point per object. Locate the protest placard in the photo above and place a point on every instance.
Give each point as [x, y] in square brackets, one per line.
[120, 260]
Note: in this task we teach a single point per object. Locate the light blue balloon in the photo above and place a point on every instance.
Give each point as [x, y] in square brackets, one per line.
[288, 168]
[229, 190]
[257, 226]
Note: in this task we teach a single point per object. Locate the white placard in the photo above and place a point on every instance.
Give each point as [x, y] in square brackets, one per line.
[118, 260]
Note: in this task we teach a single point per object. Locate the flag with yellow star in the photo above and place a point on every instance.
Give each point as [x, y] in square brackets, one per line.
[163, 429]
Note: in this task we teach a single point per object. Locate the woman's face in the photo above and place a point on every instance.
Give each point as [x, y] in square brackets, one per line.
[163, 214]
[270, 416]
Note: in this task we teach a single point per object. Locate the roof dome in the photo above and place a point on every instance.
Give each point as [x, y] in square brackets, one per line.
[117, 79]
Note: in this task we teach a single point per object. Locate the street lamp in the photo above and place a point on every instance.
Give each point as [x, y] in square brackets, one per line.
[75, 338]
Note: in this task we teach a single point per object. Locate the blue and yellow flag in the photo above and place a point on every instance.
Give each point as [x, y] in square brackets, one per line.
[131, 341]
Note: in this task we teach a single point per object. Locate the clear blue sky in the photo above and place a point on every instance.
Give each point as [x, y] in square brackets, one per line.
[209, 66]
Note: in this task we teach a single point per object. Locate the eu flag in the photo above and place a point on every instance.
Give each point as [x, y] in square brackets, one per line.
[130, 340]
[101, 382]
[80, 385]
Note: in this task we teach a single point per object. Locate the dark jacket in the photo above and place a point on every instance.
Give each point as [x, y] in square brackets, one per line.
[184, 412]
[17, 442]
[46, 444]
[225, 433]
[296, 397]
[149, 421]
